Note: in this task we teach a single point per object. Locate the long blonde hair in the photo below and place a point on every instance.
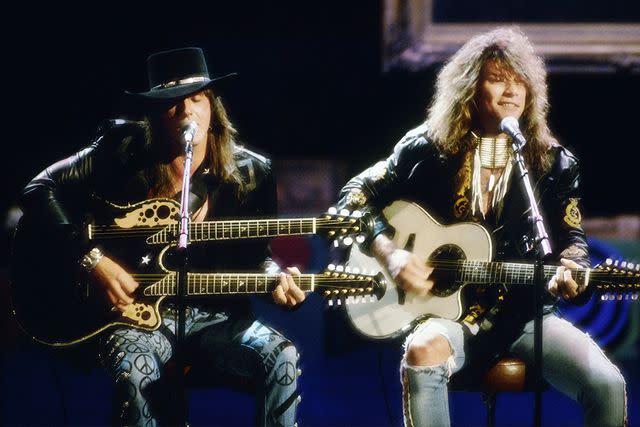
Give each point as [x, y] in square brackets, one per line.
[453, 110]
[220, 153]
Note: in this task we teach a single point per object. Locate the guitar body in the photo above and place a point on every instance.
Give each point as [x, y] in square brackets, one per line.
[54, 302]
[417, 231]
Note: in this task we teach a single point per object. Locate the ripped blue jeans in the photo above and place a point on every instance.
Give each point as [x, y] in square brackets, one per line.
[572, 363]
[135, 361]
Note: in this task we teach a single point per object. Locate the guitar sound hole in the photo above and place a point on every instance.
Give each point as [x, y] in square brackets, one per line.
[445, 261]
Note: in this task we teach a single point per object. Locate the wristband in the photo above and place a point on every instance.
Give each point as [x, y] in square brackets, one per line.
[89, 261]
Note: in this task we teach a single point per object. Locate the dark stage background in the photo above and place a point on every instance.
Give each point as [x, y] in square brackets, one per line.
[312, 94]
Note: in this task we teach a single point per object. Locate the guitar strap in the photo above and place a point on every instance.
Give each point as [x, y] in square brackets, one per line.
[198, 192]
[481, 317]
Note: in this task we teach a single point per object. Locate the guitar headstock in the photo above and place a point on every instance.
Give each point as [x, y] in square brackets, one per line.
[616, 280]
[345, 285]
[345, 226]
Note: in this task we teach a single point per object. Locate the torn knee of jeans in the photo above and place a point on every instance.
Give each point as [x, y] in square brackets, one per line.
[445, 368]
[450, 362]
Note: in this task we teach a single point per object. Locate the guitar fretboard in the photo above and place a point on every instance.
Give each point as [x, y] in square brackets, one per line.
[238, 229]
[201, 284]
[483, 272]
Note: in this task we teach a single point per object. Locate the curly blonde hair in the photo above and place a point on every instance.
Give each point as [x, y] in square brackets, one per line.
[453, 111]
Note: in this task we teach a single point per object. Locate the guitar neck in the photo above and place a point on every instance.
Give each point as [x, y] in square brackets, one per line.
[239, 229]
[483, 272]
[235, 229]
[207, 284]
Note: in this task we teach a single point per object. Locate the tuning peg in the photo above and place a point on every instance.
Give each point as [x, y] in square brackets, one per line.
[347, 241]
[347, 269]
[331, 267]
[336, 243]
[340, 268]
[356, 214]
[609, 261]
[344, 212]
[630, 265]
[355, 270]
[330, 303]
[360, 238]
[332, 210]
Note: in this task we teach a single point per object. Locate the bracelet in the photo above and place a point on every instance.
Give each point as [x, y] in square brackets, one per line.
[91, 259]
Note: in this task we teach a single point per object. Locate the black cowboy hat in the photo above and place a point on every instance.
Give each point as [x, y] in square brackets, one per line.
[175, 74]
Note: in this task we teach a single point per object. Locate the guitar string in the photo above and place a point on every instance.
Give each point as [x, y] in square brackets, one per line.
[252, 224]
[221, 276]
[518, 270]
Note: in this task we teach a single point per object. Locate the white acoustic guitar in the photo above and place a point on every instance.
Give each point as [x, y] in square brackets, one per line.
[460, 254]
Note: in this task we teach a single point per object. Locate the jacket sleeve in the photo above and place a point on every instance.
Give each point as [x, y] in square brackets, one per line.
[564, 214]
[56, 198]
[377, 186]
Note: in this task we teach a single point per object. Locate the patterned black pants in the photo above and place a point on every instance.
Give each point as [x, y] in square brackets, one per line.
[135, 359]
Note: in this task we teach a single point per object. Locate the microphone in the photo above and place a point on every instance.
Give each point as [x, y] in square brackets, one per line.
[188, 131]
[510, 126]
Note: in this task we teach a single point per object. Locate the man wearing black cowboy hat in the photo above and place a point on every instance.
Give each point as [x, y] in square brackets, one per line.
[132, 161]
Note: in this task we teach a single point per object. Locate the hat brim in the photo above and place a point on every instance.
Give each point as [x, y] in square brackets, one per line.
[175, 93]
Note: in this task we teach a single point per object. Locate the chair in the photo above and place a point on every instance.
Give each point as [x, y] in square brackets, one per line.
[508, 374]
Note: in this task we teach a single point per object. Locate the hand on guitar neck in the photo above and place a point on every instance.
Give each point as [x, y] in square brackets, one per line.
[287, 292]
[117, 283]
[562, 284]
[408, 272]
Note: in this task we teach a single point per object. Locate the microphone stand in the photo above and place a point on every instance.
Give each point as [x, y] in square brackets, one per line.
[543, 250]
[181, 283]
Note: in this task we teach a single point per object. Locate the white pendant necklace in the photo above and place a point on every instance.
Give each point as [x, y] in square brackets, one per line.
[494, 154]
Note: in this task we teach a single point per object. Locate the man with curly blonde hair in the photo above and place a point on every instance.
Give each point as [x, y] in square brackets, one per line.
[458, 166]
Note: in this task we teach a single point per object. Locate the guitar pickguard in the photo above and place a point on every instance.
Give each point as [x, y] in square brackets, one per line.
[141, 314]
[150, 214]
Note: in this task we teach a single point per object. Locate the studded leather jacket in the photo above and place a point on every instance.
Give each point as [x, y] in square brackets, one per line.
[418, 171]
[112, 169]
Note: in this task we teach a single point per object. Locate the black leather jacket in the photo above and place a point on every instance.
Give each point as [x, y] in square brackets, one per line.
[417, 171]
[112, 169]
